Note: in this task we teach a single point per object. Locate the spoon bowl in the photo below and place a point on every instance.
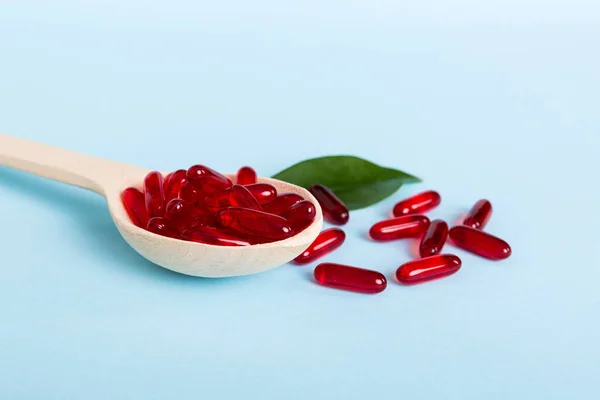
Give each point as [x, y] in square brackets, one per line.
[110, 178]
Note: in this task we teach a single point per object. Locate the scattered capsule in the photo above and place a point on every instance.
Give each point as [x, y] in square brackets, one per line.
[173, 183]
[201, 218]
[207, 179]
[135, 205]
[191, 194]
[479, 215]
[255, 223]
[479, 242]
[300, 215]
[404, 227]
[282, 203]
[334, 210]
[239, 196]
[434, 239]
[162, 226]
[154, 194]
[418, 203]
[327, 241]
[429, 268]
[217, 201]
[215, 236]
[245, 176]
[350, 278]
[262, 192]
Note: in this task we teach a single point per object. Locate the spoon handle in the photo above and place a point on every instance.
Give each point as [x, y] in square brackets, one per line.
[61, 165]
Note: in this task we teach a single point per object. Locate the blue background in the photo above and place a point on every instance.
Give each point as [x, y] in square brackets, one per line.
[495, 99]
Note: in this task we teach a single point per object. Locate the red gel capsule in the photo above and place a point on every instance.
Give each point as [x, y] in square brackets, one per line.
[218, 200]
[479, 215]
[262, 192]
[135, 205]
[255, 223]
[205, 218]
[191, 194]
[427, 269]
[350, 278]
[327, 241]
[434, 238]
[239, 196]
[404, 227]
[282, 203]
[334, 210]
[207, 179]
[215, 236]
[300, 215]
[479, 242]
[173, 183]
[162, 226]
[417, 204]
[178, 210]
[154, 194]
[245, 176]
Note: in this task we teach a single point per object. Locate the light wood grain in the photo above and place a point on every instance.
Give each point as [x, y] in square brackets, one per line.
[110, 178]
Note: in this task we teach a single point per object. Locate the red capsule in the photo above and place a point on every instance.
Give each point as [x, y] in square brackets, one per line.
[479, 215]
[429, 268]
[178, 210]
[282, 203]
[262, 192]
[207, 179]
[191, 194]
[205, 218]
[300, 215]
[350, 278]
[327, 241]
[218, 200]
[404, 227]
[215, 236]
[239, 196]
[154, 194]
[334, 211]
[173, 183]
[434, 238]
[418, 203]
[162, 226]
[245, 176]
[255, 223]
[479, 242]
[135, 205]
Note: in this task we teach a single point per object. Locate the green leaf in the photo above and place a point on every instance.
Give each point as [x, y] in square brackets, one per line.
[358, 183]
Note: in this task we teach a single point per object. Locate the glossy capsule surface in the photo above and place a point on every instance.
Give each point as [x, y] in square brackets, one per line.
[479, 215]
[239, 196]
[300, 215]
[282, 203]
[245, 176]
[479, 242]
[427, 269]
[350, 278]
[154, 194]
[408, 226]
[173, 183]
[334, 210]
[327, 241]
[215, 236]
[178, 210]
[418, 203]
[255, 223]
[207, 179]
[162, 226]
[262, 192]
[135, 205]
[434, 239]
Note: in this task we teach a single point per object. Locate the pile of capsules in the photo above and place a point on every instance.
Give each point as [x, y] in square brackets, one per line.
[408, 222]
[202, 205]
